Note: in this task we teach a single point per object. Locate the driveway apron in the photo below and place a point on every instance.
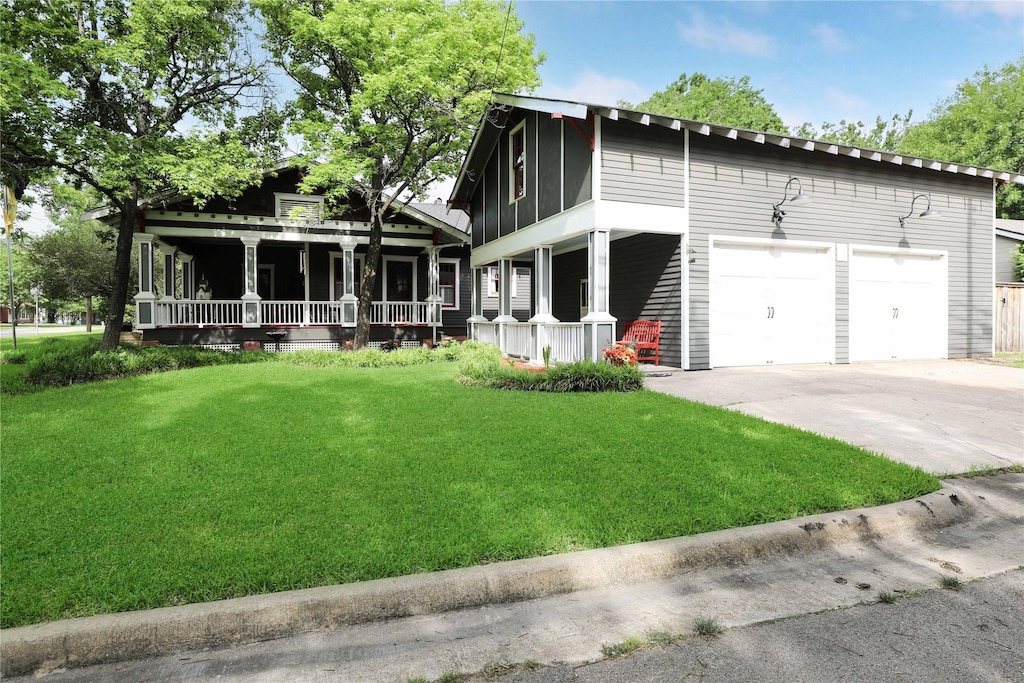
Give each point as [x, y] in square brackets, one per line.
[946, 417]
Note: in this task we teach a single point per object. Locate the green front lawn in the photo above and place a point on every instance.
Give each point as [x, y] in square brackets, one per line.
[241, 479]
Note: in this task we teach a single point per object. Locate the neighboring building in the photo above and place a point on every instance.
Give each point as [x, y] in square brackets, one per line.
[269, 268]
[1009, 237]
[626, 215]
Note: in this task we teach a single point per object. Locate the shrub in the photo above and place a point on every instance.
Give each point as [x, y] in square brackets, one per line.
[75, 364]
[569, 377]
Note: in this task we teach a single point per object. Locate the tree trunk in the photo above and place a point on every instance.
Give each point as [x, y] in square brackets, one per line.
[370, 268]
[88, 313]
[122, 274]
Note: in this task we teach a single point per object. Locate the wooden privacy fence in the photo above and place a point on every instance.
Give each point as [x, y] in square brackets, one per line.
[1009, 317]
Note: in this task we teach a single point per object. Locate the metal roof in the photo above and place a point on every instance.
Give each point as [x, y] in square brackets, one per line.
[502, 103]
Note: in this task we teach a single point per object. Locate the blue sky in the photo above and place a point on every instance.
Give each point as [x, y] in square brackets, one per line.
[815, 61]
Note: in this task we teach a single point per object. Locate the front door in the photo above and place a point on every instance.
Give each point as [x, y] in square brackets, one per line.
[400, 281]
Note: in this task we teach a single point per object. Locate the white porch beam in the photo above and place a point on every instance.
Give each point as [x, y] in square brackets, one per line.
[145, 299]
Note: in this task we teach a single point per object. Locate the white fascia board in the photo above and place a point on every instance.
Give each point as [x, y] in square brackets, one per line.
[613, 215]
[573, 109]
[266, 236]
[271, 222]
[570, 223]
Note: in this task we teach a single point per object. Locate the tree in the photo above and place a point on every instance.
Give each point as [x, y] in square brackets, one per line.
[886, 135]
[725, 101]
[389, 94]
[981, 124]
[75, 261]
[1018, 263]
[131, 98]
[22, 275]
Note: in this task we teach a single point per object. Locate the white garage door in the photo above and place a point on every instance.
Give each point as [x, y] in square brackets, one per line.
[771, 303]
[898, 305]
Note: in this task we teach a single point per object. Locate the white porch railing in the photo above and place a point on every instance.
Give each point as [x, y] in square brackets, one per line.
[198, 313]
[487, 333]
[565, 339]
[519, 340]
[297, 313]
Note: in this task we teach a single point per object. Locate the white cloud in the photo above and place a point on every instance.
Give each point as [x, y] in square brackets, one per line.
[722, 35]
[594, 88]
[830, 38]
[844, 101]
[973, 8]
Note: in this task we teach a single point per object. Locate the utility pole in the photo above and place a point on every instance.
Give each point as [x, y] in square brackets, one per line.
[10, 203]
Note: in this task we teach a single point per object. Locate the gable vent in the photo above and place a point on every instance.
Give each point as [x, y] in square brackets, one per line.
[299, 207]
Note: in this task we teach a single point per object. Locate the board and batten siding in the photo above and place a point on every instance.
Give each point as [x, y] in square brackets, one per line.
[558, 177]
[857, 202]
[642, 164]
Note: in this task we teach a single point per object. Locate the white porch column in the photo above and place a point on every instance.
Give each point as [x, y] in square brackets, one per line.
[504, 302]
[145, 300]
[188, 276]
[170, 271]
[598, 324]
[434, 290]
[250, 270]
[542, 297]
[477, 304]
[349, 301]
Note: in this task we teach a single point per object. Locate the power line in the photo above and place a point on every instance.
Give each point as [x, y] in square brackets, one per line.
[501, 49]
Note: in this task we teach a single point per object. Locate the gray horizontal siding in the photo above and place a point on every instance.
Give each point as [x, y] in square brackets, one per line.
[645, 284]
[642, 164]
[522, 302]
[735, 183]
[1005, 248]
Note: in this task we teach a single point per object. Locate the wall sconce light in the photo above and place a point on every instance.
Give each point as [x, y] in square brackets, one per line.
[798, 198]
[927, 213]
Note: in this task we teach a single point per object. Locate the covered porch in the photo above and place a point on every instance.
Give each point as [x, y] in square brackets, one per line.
[587, 284]
[298, 289]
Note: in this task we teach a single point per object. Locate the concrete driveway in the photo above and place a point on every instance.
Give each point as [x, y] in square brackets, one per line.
[946, 417]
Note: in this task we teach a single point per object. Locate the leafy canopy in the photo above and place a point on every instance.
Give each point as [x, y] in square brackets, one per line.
[389, 92]
[132, 98]
[982, 124]
[725, 101]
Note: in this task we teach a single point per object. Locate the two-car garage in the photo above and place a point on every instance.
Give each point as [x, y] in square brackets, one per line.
[775, 302]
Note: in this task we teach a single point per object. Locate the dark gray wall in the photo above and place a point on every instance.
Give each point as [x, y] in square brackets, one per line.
[559, 176]
[645, 272]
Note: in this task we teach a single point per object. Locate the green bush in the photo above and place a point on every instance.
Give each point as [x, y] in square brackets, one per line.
[374, 358]
[569, 377]
[75, 364]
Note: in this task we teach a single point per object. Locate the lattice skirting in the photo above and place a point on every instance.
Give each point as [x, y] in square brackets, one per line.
[285, 347]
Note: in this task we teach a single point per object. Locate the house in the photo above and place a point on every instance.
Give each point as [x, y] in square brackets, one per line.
[271, 269]
[1009, 237]
[750, 247]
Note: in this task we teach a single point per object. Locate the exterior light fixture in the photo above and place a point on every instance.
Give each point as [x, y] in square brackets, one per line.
[798, 198]
[927, 213]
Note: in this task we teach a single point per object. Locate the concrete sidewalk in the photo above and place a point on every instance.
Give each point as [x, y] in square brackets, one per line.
[552, 609]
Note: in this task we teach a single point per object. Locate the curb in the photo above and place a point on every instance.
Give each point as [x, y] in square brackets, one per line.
[131, 636]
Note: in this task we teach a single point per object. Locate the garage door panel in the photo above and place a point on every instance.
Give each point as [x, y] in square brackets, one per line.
[770, 304]
[898, 306]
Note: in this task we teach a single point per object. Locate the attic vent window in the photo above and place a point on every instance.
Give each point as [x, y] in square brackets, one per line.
[299, 207]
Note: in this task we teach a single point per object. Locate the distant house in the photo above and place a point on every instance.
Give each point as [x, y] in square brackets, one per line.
[750, 247]
[272, 269]
[1009, 237]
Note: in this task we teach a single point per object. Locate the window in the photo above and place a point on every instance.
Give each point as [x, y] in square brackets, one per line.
[494, 280]
[517, 162]
[448, 276]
